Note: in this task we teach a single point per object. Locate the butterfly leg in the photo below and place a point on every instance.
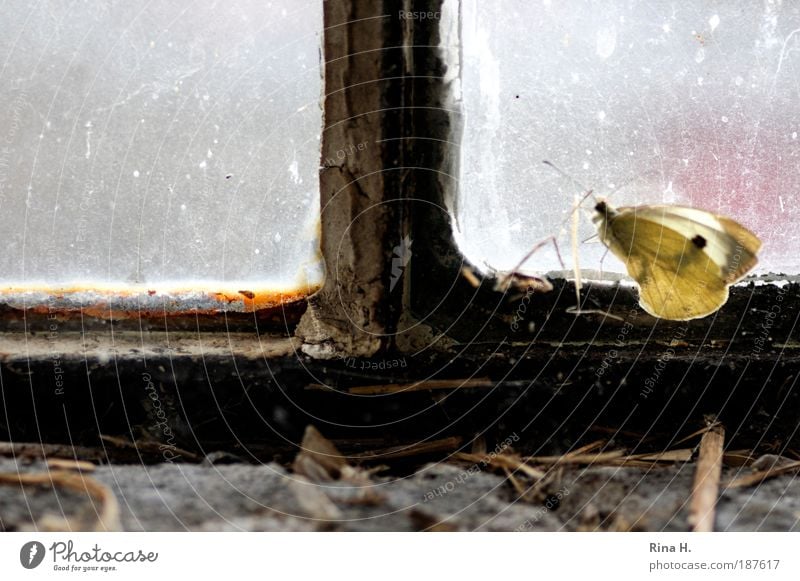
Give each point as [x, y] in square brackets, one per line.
[536, 247]
[602, 260]
[577, 310]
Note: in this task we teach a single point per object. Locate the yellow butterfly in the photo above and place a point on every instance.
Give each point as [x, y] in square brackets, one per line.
[682, 258]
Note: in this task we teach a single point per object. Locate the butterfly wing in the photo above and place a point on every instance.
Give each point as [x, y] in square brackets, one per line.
[683, 258]
[747, 245]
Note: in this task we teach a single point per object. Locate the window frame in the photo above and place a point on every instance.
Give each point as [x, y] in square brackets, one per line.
[443, 322]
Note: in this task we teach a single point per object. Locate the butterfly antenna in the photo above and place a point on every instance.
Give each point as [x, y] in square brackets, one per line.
[574, 217]
[565, 175]
[562, 173]
[629, 181]
[563, 224]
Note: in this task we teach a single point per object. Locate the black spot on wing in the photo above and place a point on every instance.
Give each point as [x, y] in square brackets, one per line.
[699, 241]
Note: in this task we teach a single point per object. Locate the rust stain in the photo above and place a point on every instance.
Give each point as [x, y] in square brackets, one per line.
[257, 300]
[128, 302]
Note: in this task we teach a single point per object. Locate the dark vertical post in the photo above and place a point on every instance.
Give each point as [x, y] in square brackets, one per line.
[378, 82]
[363, 60]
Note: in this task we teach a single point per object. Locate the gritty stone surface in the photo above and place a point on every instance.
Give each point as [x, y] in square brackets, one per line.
[244, 497]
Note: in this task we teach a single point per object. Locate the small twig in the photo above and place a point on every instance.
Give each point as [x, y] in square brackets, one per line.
[107, 516]
[680, 455]
[587, 448]
[737, 458]
[705, 491]
[502, 461]
[408, 450]
[599, 458]
[518, 486]
[696, 433]
[150, 447]
[760, 476]
[70, 464]
[38, 450]
[421, 386]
